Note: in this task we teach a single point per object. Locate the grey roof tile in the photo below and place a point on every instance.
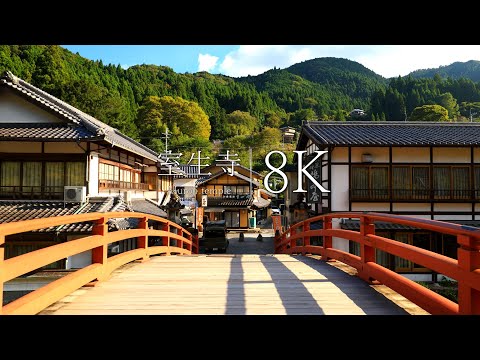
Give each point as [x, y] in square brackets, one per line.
[387, 133]
[76, 116]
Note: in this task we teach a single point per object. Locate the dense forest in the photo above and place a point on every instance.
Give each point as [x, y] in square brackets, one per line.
[143, 100]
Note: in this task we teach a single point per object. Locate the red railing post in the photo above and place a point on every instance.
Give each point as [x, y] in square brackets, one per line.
[276, 241]
[99, 254]
[327, 240]
[367, 252]
[306, 238]
[2, 257]
[468, 261]
[143, 240]
[179, 242]
[166, 239]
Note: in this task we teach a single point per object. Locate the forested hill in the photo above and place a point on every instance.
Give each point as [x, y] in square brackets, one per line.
[325, 85]
[457, 70]
[143, 100]
[320, 88]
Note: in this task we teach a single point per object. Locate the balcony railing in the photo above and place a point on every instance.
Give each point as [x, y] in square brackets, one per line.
[31, 192]
[412, 195]
[116, 184]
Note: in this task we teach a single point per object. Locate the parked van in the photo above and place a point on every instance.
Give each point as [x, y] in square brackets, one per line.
[215, 236]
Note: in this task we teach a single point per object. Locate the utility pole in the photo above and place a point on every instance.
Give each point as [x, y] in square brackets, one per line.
[169, 159]
[250, 155]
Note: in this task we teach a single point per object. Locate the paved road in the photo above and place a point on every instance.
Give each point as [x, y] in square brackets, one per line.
[250, 245]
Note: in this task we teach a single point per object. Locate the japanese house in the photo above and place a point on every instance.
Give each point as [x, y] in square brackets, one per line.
[233, 197]
[57, 160]
[422, 169]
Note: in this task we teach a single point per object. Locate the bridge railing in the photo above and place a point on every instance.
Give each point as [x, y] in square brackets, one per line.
[465, 270]
[174, 240]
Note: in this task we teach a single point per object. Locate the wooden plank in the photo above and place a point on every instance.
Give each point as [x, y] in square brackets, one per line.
[238, 284]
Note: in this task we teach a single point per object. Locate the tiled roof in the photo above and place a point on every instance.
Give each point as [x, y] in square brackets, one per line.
[147, 207]
[229, 202]
[261, 203]
[50, 132]
[368, 133]
[222, 172]
[379, 225]
[75, 116]
[18, 210]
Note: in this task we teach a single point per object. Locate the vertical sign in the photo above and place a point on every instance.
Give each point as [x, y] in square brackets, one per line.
[277, 223]
[204, 200]
[314, 193]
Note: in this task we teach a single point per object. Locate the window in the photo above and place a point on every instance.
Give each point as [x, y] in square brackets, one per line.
[451, 182]
[410, 182]
[10, 179]
[477, 181]
[422, 240]
[118, 176]
[39, 179]
[370, 182]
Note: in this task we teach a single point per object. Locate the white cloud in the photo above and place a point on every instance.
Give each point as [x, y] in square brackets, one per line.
[125, 66]
[207, 62]
[386, 60]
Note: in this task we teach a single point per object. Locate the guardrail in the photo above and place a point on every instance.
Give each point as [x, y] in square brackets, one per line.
[98, 242]
[465, 270]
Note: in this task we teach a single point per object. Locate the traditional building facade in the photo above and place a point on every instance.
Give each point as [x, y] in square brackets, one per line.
[57, 160]
[426, 170]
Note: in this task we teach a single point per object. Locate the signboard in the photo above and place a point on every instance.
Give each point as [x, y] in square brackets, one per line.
[204, 200]
[314, 195]
[277, 223]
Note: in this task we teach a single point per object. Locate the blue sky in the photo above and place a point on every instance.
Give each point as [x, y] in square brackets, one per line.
[242, 60]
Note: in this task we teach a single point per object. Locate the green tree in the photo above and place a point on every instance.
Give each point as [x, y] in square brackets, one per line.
[429, 113]
[187, 115]
[272, 119]
[240, 123]
[450, 103]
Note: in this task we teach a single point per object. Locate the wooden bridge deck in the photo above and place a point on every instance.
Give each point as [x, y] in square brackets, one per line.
[228, 284]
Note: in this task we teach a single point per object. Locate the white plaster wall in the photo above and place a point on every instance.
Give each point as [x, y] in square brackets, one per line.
[411, 207]
[370, 207]
[452, 217]
[93, 174]
[79, 260]
[15, 109]
[451, 155]
[339, 188]
[340, 154]
[379, 154]
[339, 243]
[20, 147]
[411, 154]
[419, 277]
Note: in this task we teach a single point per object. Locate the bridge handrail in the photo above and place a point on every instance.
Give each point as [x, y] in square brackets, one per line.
[98, 242]
[465, 270]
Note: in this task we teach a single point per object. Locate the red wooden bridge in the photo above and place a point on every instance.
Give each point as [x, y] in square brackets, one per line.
[297, 279]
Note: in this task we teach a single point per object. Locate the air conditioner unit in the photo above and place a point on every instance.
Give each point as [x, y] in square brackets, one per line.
[74, 194]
